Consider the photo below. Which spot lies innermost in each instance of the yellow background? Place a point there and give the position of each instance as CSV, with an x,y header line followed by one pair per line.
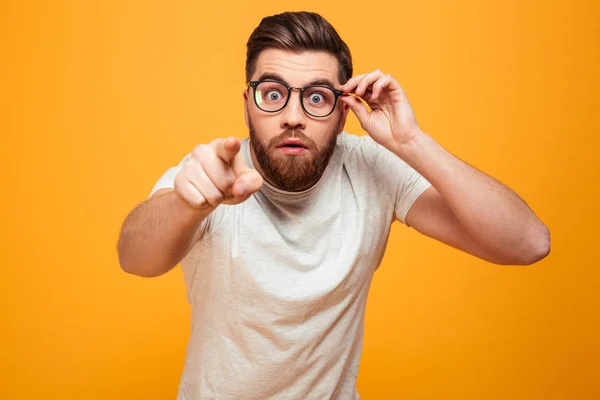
x,y
97,99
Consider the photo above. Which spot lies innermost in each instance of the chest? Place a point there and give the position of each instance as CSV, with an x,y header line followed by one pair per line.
x,y
293,256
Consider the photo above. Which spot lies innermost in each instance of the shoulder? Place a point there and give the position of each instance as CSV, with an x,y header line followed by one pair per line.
x,y
362,153
355,144
359,149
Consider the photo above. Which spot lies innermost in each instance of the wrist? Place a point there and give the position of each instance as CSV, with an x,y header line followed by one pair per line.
x,y
414,147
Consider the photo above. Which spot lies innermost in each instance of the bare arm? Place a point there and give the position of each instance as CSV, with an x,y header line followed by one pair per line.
x,y
473,209
465,208
158,233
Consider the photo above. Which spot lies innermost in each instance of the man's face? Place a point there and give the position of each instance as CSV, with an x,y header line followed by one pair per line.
x,y
289,147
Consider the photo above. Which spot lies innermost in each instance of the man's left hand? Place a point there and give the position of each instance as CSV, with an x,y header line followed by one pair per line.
x,y
391,122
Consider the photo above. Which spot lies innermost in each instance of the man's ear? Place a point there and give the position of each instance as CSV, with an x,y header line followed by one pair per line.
x,y
245,95
345,110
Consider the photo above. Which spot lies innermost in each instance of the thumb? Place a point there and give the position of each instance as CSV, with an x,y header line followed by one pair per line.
x,y
247,184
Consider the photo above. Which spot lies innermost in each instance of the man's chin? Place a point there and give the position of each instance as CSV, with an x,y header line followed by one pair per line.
x,y
291,172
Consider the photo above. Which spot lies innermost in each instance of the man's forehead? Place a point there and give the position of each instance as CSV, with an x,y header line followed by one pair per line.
x,y
298,68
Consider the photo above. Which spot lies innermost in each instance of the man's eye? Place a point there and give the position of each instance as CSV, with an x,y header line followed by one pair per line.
x,y
273,95
317,98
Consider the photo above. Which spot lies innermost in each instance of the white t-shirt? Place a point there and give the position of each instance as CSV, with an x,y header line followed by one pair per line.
x,y
278,284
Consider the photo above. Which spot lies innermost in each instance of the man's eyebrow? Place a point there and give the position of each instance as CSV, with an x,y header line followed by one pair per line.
x,y
325,82
275,77
271,76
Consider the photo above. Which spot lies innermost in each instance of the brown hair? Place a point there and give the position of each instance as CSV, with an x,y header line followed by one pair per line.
x,y
298,31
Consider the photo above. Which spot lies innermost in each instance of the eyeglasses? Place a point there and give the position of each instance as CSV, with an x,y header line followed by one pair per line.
x,y
317,100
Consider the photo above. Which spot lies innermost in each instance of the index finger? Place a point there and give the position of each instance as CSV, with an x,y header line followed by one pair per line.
x,y
226,149
349,86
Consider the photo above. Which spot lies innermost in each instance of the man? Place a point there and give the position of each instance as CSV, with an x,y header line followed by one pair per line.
x,y
279,235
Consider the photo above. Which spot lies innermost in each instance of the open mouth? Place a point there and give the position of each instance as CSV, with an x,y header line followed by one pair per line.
x,y
293,143
292,147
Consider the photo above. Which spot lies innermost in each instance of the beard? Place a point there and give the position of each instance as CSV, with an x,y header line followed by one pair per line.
x,y
292,173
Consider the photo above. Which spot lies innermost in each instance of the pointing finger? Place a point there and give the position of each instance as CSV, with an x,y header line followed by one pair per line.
x,y
226,149
239,164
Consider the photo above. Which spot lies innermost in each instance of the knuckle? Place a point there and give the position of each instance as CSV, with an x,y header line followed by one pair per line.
x,y
181,178
196,201
200,151
178,180
224,185
228,181
216,142
197,150
190,170
215,197
186,193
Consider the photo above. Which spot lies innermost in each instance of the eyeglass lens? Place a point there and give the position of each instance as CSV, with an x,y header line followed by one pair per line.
x,y
272,96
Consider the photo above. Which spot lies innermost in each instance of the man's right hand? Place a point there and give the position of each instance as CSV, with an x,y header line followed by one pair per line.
x,y
216,173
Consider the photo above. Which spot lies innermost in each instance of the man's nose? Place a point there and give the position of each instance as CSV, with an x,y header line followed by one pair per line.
x,y
293,116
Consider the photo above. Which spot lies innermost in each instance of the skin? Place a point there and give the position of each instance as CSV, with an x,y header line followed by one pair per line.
x,y
465,208
318,134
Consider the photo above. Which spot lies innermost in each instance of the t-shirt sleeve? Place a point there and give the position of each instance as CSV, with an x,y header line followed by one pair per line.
x,y
399,179
167,180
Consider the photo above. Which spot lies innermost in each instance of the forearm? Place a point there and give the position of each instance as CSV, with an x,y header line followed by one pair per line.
x,y
158,233
493,215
